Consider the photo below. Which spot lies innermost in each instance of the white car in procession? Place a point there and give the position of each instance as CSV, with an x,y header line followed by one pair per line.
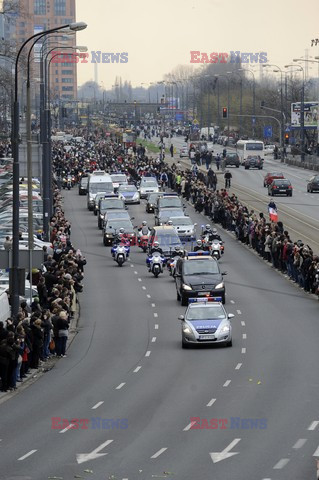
x,y
184,227
148,185
206,322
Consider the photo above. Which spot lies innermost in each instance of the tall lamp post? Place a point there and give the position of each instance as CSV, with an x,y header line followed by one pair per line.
x,y
302,112
254,95
240,99
16,170
228,125
281,102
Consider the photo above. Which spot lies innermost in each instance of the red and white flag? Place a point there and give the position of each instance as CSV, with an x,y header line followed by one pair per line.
x,y
273,215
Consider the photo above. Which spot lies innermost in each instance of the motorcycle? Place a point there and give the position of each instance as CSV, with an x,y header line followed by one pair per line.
x,y
120,254
143,239
217,249
64,183
156,263
69,182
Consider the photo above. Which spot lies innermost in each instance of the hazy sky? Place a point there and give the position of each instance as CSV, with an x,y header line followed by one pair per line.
x,y
159,34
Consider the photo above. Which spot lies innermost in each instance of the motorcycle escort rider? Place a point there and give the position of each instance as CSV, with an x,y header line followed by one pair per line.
x,y
144,229
121,238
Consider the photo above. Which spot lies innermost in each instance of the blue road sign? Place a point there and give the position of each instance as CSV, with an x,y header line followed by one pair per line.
x,y
268,131
253,120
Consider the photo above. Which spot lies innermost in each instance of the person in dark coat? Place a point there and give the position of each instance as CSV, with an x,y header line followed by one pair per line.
x,y
37,342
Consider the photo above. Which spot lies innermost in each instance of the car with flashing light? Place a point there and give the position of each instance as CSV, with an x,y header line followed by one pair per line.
x,y
199,275
108,202
206,322
270,176
148,185
112,227
129,194
118,179
280,187
313,184
151,200
184,227
165,214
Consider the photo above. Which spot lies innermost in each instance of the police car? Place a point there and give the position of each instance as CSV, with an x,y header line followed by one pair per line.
x,y
206,322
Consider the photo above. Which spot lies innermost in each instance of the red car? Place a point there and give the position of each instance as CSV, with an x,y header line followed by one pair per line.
x,y
270,176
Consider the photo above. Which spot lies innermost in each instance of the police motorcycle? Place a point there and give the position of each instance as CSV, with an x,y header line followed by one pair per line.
x,y
69,182
213,242
121,248
156,260
171,262
143,236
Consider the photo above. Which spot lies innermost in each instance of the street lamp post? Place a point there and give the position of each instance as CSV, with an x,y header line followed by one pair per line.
x,y
302,112
254,95
240,99
281,103
16,170
228,112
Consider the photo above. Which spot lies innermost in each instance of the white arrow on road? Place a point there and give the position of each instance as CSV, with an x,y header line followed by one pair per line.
x,y
219,456
85,457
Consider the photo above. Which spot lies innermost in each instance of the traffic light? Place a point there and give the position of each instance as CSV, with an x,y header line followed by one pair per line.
x,y
225,113
286,138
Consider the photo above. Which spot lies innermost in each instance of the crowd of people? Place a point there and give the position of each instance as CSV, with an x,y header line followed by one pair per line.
x,y
41,329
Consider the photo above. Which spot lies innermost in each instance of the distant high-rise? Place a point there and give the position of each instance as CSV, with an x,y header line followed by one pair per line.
x,y
38,15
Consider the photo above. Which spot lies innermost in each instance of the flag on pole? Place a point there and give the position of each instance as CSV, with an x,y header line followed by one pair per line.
x,y
273,215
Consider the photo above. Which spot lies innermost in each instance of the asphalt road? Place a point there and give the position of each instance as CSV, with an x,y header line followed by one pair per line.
x,y
126,362
299,213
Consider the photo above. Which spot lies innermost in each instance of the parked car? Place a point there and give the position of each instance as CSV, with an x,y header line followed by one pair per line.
x,y
270,176
313,184
253,161
280,187
269,149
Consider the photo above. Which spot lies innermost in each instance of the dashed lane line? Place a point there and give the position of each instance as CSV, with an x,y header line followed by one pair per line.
x,y
316,454
232,301
66,428
157,454
148,353
281,464
189,426
211,402
226,383
155,315
139,279
243,324
27,455
121,385
238,366
239,312
243,350
313,425
148,295
153,339
156,326
299,443
244,336
97,405
144,288
153,305
137,369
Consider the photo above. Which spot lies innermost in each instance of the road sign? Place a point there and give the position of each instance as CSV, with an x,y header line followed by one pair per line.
x,y
288,129
195,122
268,131
253,120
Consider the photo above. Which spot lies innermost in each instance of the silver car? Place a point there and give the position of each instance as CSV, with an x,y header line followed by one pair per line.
x,y
206,322
184,227
148,186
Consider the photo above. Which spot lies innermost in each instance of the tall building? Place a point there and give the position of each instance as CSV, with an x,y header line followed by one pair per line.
x,y
38,15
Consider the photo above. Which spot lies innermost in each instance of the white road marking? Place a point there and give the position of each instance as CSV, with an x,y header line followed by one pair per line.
x,y
120,386
97,405
299,443
243,350
137,369
238,366
316,454
148,353
85,457
153,305
239,312
157,454
243,323
135,273
144,288
189,426
66,428
211,402
132,266
139,279
244,336
27,454
226,453
153,339
281,464
155,315
313,425
148,295
226,383
232,301
156,326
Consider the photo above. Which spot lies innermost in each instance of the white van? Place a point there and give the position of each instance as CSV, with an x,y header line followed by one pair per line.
x,y
99,181
4,305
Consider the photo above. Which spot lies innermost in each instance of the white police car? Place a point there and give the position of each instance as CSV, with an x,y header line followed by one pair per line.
x,y
206,322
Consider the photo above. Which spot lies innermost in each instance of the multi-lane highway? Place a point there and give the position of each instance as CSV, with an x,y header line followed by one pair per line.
x,y
299,213
126,363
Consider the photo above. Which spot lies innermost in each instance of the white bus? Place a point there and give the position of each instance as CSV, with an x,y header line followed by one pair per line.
x,y
99,181
244,148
